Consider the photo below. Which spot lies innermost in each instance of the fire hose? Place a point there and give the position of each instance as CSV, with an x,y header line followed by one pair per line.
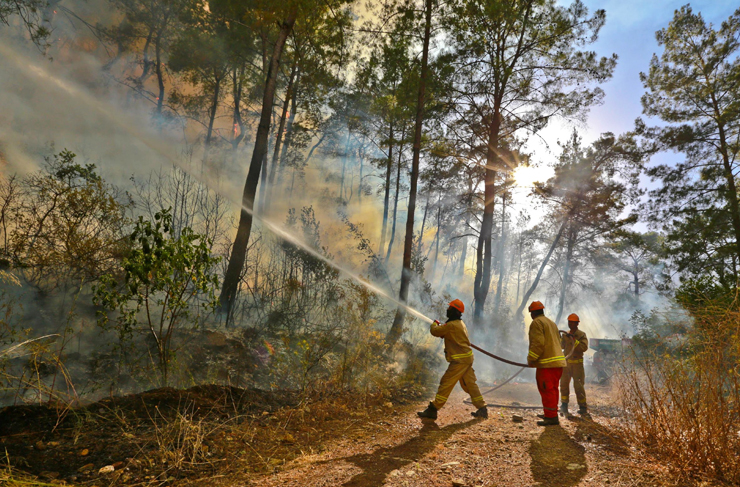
x,y
506,361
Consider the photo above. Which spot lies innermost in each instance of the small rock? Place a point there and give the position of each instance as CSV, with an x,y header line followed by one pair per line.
x,y
517,419
107,469
84,452
410,473
458,483
86,468
395,473
449,465
39,445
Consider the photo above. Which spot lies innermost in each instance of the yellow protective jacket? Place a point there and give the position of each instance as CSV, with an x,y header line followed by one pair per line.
x,y
544,344
457,343
581,344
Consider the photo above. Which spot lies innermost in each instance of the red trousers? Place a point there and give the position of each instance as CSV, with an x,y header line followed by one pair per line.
x,y
548,383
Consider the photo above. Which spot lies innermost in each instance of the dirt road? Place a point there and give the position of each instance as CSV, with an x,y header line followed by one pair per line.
x,y
398,449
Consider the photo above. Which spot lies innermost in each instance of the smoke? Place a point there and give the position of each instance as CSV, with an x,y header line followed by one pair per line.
x,y
74,101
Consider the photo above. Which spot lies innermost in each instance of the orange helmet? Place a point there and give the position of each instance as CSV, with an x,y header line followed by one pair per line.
x,y
574,317
458,305
535,306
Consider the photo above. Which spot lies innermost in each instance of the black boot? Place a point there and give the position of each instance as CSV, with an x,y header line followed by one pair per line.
x,y
564,409
549,422
429,413
481,413
583,410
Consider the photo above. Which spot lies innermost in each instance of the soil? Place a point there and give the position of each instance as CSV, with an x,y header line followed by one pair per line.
x,y
227,437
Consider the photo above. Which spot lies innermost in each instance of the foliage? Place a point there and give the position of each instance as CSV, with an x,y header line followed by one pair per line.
x,y
169,283
692,87
33,16
67,226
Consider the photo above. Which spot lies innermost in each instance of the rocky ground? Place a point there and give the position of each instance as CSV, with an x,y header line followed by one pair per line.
x,y
211,436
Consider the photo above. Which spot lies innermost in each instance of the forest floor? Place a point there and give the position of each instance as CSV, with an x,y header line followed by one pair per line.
x,y
227,437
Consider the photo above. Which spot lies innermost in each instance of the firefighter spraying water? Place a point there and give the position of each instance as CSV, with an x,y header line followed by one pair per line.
x,y
460,356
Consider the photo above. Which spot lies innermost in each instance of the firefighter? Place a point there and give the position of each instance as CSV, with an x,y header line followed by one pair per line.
x,y
577,339
460,356
545,354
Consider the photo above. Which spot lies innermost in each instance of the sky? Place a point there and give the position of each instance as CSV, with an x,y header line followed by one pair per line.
x,y
630,33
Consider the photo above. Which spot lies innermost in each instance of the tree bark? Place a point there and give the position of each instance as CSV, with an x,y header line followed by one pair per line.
x,y
566,273
397,328
395,206
212,117
238,122
541,269
502,249
423,224
386,198
239,249
281,128
160,75
344,164
436,244
289,129
484,252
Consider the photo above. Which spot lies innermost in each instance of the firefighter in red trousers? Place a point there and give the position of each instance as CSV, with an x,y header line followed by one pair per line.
x,y
545,354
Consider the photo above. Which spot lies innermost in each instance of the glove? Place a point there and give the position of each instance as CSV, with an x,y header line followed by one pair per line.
x,y
437,322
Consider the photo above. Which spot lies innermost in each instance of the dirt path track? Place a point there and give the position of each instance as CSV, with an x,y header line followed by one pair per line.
x,y
400,450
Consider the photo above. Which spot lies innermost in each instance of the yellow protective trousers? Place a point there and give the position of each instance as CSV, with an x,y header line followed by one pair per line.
x,y
575,371
464,373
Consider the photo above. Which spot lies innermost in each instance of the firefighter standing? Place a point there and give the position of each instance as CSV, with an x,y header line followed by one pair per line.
x,y
574,369
460,356
545,354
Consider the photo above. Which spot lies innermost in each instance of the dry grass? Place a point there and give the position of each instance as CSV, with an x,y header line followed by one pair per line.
x,y
684,405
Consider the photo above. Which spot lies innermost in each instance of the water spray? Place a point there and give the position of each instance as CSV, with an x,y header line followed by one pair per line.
x,y
275,228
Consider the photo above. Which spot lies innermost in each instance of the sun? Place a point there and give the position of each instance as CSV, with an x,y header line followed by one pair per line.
x,y
526,176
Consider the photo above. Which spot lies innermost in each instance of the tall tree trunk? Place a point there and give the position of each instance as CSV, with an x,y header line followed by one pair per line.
x,y
212,116
344,165
262,199
359,185
566,272
289,128
423,224
501,250
463,256
397,328
160,75
239,249
146,62
281,128
519,269
436,245
541,269
387,196
238,122
484,255
395,205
